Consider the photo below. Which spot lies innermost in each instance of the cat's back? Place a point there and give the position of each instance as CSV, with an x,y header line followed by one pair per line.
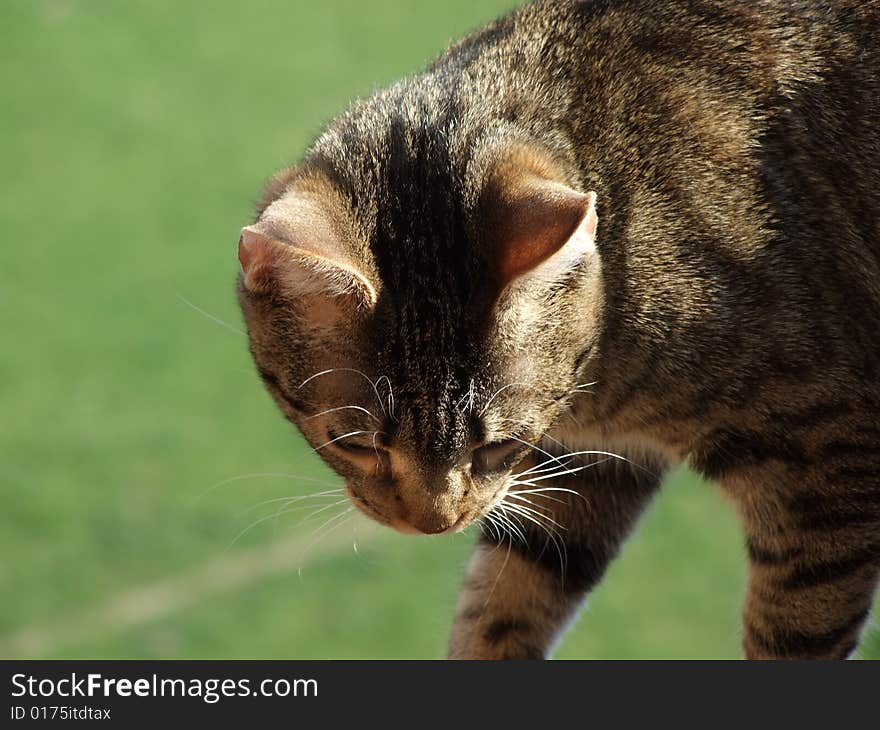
x,y
749,130
737,132
768,109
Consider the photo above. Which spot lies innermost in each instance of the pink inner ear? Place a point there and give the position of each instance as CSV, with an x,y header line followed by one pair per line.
x,y
253,249
270,264
533,220
258,255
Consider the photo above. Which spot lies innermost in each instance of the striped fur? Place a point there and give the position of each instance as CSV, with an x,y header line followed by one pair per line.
x,y
725,312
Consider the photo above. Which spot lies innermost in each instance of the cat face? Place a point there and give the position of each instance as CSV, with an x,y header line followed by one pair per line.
x,y
421,360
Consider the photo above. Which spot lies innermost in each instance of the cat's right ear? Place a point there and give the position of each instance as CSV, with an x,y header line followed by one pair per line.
x,y
327,285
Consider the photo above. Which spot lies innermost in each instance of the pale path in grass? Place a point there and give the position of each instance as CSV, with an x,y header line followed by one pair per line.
x,y
162,598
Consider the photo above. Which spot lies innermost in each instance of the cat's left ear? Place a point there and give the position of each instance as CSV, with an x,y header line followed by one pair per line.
x,y
539,228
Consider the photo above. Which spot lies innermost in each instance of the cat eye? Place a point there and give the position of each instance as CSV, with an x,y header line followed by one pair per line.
x,y
494,457
352,446
355,447
361,446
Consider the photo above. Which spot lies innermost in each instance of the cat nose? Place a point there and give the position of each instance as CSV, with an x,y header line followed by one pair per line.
x,y
434,530
439,527
431,516
437,519
430,524
429,502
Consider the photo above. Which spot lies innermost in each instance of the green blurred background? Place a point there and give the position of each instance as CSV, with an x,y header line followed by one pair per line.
x,y
136,443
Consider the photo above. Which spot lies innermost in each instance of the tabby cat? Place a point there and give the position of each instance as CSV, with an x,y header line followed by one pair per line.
x,y
592,240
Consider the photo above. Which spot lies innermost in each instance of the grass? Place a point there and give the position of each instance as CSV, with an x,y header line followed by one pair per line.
x,y
134,138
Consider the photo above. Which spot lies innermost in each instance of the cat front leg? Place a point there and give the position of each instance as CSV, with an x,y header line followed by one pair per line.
x,y
797,611
813,572
510,607
809,499
524,585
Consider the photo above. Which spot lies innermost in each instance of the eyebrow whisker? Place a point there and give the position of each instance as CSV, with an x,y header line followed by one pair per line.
x,y
350,370
499,391
339,438
343,408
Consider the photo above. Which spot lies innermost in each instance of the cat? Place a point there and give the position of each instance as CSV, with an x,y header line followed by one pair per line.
x,y
590,241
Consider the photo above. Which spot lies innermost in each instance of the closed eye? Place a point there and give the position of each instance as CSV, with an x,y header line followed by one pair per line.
x,y
353,447
494,457
355,442
360,444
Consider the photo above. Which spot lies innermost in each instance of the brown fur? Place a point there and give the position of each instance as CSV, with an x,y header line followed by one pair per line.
x,y
450,278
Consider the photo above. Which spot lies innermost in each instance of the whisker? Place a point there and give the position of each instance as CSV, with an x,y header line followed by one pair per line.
x,y
517,529
285,510
585,385
279,513
547,489
469,396
486,523
332,519
341,519
549,531
247,529
320,510
498,527
342,408
555,538
260,475
556,441
563,472
339,438
542,468
538,448
609,454
214,319
501,570
499,391
330,493
390,393
517,495
348,370
525,510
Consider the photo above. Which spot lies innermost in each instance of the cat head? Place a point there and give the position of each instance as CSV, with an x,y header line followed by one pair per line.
x,y
423,327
